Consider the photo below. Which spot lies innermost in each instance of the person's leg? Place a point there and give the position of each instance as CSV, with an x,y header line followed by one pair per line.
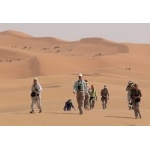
x,y
106,102
90,101
138,110
81,98
135,110
86,102
128,97
39,105
103,102
33,104
93,102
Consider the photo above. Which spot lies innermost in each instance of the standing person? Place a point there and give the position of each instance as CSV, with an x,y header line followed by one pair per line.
x,y
104,96
129,88
93,97
87,95
136,98
80,89
36,89
69,105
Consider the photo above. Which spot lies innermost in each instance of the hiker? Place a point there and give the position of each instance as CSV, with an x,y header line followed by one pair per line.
x,y
80,89
87,95
69,105
129,88
104,96
136,98
36,89
93,97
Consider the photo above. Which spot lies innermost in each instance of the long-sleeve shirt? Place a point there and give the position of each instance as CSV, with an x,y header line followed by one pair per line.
x,y
80,85
38,87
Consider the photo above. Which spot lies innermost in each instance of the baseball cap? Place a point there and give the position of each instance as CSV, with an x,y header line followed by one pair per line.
x,y
35,79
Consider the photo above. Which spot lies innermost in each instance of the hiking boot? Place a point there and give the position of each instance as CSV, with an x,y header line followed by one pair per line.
x,y
40,111
32,112
140,116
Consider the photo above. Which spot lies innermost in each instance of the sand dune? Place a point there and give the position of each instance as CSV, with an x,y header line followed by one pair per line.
x,y
56,63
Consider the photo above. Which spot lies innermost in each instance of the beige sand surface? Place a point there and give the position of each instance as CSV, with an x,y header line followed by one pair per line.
x,y
57,63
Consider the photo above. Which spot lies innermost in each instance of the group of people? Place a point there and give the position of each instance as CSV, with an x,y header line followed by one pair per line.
x,y
86,96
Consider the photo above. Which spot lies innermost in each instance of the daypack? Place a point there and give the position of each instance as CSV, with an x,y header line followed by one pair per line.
x,y
104,92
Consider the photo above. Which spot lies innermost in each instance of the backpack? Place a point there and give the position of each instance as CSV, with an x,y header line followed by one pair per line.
x,y
104,92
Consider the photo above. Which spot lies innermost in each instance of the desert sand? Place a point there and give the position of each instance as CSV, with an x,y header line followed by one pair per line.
x,y
56,63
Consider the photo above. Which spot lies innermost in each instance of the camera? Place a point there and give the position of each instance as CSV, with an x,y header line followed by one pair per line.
x,y
79,87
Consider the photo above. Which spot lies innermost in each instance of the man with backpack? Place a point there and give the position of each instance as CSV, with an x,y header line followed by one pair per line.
x,y
104,96
136,98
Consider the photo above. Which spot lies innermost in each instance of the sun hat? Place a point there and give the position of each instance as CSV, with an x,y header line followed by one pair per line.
x,y
80,74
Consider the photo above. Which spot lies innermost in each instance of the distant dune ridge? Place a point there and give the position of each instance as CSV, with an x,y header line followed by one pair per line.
x,y
56,63
20,48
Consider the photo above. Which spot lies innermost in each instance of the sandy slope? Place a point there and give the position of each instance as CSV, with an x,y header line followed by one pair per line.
x,y
56,63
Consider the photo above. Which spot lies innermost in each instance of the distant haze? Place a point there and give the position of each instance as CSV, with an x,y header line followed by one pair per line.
x,y
118,32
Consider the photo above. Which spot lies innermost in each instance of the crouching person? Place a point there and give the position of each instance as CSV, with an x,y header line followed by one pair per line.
x,y
69,105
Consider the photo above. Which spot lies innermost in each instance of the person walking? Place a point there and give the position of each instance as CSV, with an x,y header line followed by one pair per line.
x,y
80,89
36,89
128,89
87,95
136,98
104,96
93,97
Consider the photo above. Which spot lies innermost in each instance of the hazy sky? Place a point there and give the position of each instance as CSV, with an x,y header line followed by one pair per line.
x,y
118,32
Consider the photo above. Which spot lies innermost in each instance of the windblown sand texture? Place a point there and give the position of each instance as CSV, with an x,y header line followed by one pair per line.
x,y
56,63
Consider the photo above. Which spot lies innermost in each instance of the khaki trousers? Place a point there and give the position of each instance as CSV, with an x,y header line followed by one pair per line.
x,y
92,102
80,100
36,100
86,102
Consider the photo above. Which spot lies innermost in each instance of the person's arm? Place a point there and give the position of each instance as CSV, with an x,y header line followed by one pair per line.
x,y
95,95
75,88
38,88
140,93
73,106
108,94
101,93
127,88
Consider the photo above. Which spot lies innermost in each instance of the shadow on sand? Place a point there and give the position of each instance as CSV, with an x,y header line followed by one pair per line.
x,y
63,113
46,112
120,117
